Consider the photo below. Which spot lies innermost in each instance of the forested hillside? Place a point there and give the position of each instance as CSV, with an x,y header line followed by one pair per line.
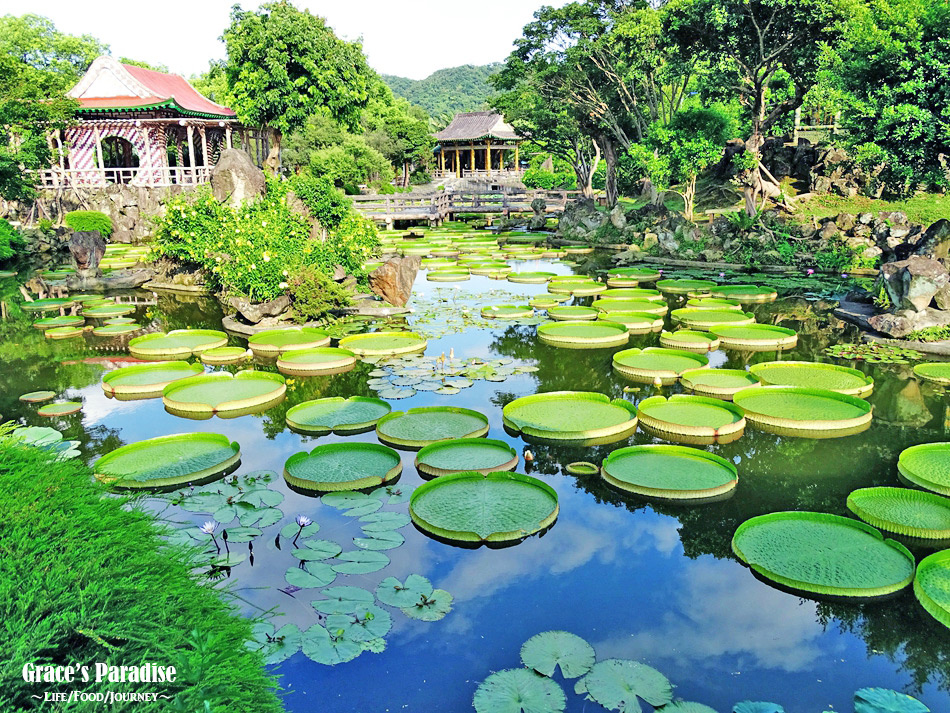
x,y
447,91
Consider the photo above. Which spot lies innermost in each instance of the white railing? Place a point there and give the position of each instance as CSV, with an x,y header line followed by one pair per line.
x,y
139,176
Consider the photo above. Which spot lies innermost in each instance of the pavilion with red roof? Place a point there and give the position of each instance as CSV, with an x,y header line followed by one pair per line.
x,y
143,127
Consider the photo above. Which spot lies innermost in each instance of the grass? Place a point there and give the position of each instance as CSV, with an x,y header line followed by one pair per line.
x,y
925,208
85,577
929,334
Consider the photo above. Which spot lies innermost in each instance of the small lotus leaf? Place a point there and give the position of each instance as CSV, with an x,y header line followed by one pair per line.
x,y
757,707
261,517
547,650
320,646
380,541
617,683
242,534
317,550
315,574
884,700
375,646
292,529
391,494
367,508
431,607
359,562
518,690
364,625
343,600
687,707
277,646
403,594
344,500
384,521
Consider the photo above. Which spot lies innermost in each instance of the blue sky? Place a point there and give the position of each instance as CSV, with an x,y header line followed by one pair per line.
x,y
406,38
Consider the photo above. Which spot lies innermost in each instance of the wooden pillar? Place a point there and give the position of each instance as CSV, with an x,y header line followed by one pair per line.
x,y
148,177
517,162
99,161
227,136
488,156
191,151
472,144
458,166
442,159
204,147
501,159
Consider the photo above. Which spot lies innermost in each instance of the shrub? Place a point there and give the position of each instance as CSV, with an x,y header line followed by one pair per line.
x,y
9,239
81,220
324,201
314,294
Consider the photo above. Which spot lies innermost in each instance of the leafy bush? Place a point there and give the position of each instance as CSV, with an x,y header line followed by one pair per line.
x,y
9,239
324,201
81,220
548,180
315,294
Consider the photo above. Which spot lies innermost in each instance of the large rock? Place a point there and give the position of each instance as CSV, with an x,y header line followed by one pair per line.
x,y
617,217
254,312
235,178
936,241
912,284
539,218
86,248
902,323
393,279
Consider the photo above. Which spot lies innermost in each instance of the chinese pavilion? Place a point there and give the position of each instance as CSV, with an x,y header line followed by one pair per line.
x,y
477,143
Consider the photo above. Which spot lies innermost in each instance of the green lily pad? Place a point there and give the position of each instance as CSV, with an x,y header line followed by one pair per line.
x,y
115,330
823,554
336,414
476,507
143,380
584,334
47,305
927,465
635,322
907,512
546,651
686,418
657,364
754,337
646,306
584,417
383,343
531,278
938,372
572,312
681,287
35,397
718,383
225,355
363,625
814,375
632,293
222,392
62,408
62,332
272,342
419,427
518,690
713,303
343,466
312,549
671,472
449,274
884,700
168,460
310,576
705,319
616,684
321,360
277,645
321,646
642,274
507,311
932,585
383,522
690,340
177,343
482,455
403,594
359,562
757,707
432,607
343,600
107,311
687,707
744,293
811,413
59,321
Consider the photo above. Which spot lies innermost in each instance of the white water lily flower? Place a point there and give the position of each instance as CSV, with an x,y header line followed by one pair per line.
x,y
303,520
209,527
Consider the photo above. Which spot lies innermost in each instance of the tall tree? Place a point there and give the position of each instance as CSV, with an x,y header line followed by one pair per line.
x,y
285,64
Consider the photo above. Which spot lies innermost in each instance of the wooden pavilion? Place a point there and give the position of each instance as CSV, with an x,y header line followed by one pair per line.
x,y
477,143
141,127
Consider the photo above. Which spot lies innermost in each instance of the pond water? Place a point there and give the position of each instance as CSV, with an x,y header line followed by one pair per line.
x,y
641,580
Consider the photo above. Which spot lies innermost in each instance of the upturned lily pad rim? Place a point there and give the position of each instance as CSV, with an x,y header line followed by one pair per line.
x,y
111,388
642,272
702,434
572,313
713,303
812,428
631,293
647,374
548,333
858,503
416,444
610,433
36,397
692,380
744,293
611,304
706,319
449,481
59,321
202,475
225,355
169,392
407,342
761,371
812,587
59,408
770,336
582,467
440,446
701,341
342,428
507,311
330,449
670,493
260,343
48,304
138,346
286,363
62,332
115,330
937,372
939,609
684,285
116,310
905,466
531,277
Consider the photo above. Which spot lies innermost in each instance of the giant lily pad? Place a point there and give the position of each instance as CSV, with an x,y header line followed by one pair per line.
x,y
681,287
635,322
690,340
798,411
481,455
531,278
932,585
657,364
718,383
62,408
383,343
572,312
578,334
105,311
823,554
755,337
927,465
507,312
613,304
706,318
59,321
907,512
449,274
575,285
938,372
35,397
272,342
749,294
320,360
169,460
62,332
547,300
483,507
47,305
814,375
518,690
630,276
146,380
885,700
177,343
713,303
630,293
225,355
343,466
115,330
672,472
616,684
352,415
546,651
419,427
580,416
685,418
222,392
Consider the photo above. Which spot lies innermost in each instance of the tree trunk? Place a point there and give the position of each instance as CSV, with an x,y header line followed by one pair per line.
x,y
405,174
272,162
610,155
584,169
689,197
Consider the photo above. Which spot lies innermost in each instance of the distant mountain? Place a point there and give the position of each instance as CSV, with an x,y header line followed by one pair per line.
x,y
447,91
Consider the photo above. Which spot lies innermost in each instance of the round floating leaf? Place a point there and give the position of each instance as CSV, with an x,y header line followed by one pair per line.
x,y
277,646
343,600
62,332
62,408
222,392
359,562
646,306
419,427
60,321
823,554
271,342
937,372
644,274
507,311
757,707
383,343
335,413
322,360
617,683
673,472
316,550
884,700
47,305
713,303
814,375
225,355
630,293
546,651
687,707
383,522
755,337
380,541
681,287
242,534
363,625
343,466
432,607
584,334
586,417
375,646
114,330
518,690
482,455
169,460
572,312
35,397
177,343
582,468
531,278
107,311
796,411
927,465
147,379
686,418
321,646
690,339
345,500
657,363
719,383
403,594
708,318
932,585
904,511
476,507
635,322
744,293
292,529
315,574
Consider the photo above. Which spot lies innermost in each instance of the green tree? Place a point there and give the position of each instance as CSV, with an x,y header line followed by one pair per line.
x,y
144,65
400,132
214,83
285,64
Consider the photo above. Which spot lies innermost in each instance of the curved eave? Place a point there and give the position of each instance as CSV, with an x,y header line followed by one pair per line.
x,y
169,104
483,137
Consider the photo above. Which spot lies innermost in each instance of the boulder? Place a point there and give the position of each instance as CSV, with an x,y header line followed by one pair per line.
x,y
668,242
393,279
902,323
829,230
86,248
121,280
254,312
912,284
649,240
538,220
235,178
936,241
617,217
844,221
